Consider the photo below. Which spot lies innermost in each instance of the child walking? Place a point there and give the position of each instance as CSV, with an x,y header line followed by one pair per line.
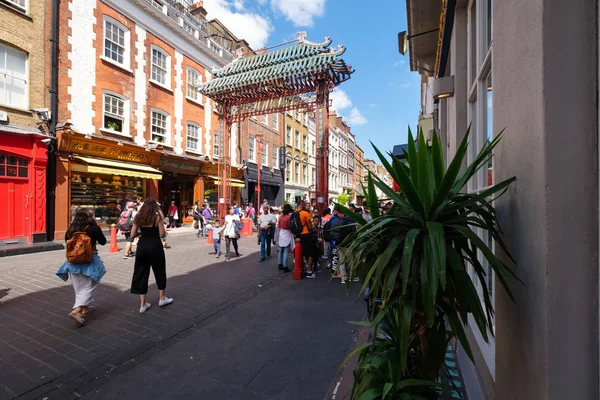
x,y
216,232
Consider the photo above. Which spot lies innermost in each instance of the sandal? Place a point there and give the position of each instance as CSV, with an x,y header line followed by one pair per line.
x,y
77,318
89,310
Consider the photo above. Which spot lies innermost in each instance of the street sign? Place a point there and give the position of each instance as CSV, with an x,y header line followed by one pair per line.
x,y
282,157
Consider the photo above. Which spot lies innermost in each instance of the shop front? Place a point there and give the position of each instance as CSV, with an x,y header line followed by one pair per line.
x,y
271,185
179,184
23,159
211,184
98,174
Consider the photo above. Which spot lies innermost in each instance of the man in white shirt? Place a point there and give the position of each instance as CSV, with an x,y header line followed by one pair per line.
x,y
266,229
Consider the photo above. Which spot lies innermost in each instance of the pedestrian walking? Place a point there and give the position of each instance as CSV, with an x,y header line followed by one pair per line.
x,y
124,225
150,254
207,217
341,228
83,264
198,219
173,215
266,231
229,231
251,213
216,232
286,239
308,237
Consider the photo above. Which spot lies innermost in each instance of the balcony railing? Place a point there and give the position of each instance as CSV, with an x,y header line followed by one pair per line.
x,y
194,25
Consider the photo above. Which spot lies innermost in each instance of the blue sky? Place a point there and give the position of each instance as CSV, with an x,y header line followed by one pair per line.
x,y
382,98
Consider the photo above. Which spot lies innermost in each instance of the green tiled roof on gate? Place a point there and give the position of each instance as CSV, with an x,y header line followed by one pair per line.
x,y
294,68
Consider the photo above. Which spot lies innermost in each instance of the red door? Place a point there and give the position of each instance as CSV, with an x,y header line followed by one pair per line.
x,y
15,210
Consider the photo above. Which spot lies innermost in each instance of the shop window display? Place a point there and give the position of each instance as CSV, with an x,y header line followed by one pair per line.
x,y
102,193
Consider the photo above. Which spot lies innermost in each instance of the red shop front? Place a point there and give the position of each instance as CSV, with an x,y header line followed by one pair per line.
x,y
23,159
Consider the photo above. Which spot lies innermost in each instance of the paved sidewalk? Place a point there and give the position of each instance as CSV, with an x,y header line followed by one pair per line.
x,y
221,310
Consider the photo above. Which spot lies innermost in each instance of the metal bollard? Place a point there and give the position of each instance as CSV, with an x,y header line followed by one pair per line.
x,y
298,264
113,239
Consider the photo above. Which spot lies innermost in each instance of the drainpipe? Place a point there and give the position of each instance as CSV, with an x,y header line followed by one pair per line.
x,y
51,167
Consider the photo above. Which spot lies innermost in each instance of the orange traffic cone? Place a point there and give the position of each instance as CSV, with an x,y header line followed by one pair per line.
x,y
210,238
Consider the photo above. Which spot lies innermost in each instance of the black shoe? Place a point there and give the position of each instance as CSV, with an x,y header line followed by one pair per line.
x,y
280,267
287,270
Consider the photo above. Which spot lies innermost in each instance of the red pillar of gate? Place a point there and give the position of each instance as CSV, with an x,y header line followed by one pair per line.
x,y
322,133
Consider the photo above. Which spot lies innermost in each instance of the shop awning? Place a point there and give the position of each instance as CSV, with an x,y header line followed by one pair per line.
x,y
234,182
112,167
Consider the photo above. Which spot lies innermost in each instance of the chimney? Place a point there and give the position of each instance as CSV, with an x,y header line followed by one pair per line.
x,y
198,9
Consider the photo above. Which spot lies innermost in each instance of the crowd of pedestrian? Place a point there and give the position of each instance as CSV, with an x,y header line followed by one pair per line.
x,y
321,235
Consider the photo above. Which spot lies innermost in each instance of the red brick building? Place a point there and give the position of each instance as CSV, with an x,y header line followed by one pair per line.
x,y
131,122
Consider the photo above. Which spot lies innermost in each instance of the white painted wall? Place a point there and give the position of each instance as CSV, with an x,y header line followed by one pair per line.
x,y
83,64
140,86
178,98
207,120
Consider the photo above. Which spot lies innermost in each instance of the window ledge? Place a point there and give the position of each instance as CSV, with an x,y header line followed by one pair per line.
x,y
160,144
194,101
16,9
113,132
162,86
116,64
14,108
193,151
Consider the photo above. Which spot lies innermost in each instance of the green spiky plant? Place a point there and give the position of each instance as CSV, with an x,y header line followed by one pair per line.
x,y
414,257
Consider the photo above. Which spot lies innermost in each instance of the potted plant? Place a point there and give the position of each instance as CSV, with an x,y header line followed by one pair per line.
x,y
413,259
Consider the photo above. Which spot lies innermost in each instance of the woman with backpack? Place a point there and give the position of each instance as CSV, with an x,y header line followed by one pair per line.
x,y
286,238
124,225
148,223
83,263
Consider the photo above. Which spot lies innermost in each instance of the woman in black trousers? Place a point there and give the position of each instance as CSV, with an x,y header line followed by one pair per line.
x,y
150,253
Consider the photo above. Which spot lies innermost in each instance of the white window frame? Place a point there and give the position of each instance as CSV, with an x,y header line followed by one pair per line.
x,y
157,4
4,75
214,47
275,121
125,131
288,140
252,155
15,3
264,155
297,140
275,157
198,97
126,64
216,138
304,173
296,171
198,138
479,67
167,69
288,168
167,142
265,119
305,144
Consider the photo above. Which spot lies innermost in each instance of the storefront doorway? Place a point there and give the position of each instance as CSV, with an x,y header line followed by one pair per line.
x,y
179,188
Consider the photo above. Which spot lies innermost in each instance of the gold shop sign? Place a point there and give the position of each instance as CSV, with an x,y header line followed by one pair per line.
x,y
78,146
178,166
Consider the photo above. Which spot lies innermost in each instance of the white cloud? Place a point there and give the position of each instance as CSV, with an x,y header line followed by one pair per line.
x,y
339,100
300,12
398,63
254,28
372,105
356,118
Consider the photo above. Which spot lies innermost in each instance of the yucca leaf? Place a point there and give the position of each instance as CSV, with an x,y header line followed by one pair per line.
x,y
438,160
409,243
457,328
450,177
424,186
405,325
412,159
499,267
371,394
428,282
437,242
372,200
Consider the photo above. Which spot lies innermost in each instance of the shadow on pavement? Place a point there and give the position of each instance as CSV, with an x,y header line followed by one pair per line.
x,y
235,328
